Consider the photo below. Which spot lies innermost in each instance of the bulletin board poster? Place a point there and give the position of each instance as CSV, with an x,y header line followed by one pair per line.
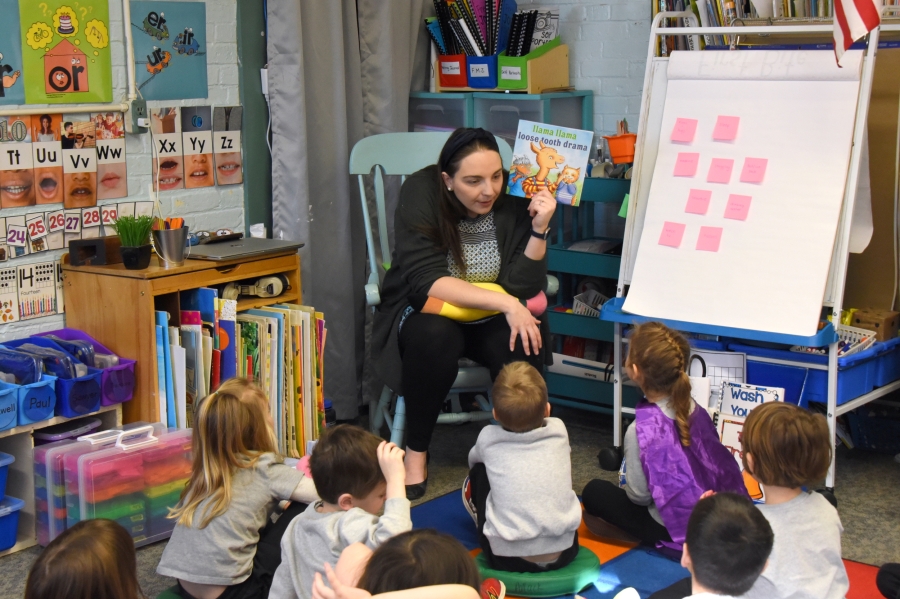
x,y
12,86
65,51
170,49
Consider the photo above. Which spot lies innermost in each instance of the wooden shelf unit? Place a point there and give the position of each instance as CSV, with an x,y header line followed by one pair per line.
x,y
117,307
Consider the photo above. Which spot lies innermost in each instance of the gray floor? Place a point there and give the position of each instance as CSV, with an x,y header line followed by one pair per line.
x,y
868,492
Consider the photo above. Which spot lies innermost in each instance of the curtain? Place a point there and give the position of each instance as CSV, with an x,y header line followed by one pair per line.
x,y
339,70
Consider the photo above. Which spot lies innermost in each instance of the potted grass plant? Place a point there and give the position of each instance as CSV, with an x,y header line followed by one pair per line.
x,y
134,233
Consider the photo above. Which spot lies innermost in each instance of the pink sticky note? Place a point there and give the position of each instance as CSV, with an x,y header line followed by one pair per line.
x,y
686,164
720,170
684,130
737,207
726,128
671,234
754,170
698,201
709,239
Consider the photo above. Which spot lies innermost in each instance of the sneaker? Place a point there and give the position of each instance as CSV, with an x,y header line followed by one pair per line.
x,y
493,589
468,500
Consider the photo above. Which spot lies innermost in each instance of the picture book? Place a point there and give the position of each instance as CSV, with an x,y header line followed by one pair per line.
x,y
549,157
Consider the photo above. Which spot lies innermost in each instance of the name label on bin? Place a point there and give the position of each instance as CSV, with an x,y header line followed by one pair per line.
x,y
511,73
36,407
478,70
450,68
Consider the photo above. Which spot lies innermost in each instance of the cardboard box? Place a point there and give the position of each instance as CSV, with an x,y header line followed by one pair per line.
x,y
884,322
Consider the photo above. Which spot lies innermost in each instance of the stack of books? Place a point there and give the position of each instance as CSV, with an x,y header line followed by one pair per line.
x,y
279,347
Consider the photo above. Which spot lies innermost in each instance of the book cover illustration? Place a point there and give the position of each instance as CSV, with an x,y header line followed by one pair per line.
x,y
549,157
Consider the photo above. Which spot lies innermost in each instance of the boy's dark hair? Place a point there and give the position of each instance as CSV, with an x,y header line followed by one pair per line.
x,y
419,558
68,124
345,460
728,540
520,397
791,447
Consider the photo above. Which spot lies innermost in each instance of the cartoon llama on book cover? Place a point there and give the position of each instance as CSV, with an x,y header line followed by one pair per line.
x,y
549,157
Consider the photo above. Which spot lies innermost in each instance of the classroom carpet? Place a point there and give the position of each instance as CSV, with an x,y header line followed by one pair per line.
x,y
622,565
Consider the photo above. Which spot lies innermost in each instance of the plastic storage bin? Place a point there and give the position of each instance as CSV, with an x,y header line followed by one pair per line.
x,y
117,382
482,71
439,112
875,429
10,508
66,430
34,402
887,369
452,70
9,407
856,373
76,396
5,461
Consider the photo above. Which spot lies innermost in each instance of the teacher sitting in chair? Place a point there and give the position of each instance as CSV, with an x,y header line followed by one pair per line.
x,y
455,228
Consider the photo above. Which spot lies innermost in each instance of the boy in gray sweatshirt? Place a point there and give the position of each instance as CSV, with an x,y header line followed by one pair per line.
x,y
519,488
356,474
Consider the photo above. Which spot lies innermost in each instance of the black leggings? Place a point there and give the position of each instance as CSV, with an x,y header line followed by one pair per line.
x,y
888,581
610,503
265,562
431,347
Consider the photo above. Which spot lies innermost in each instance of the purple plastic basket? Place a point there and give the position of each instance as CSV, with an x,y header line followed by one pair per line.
x,y
117,383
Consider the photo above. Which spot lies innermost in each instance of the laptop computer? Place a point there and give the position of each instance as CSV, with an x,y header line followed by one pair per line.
x,y
238,248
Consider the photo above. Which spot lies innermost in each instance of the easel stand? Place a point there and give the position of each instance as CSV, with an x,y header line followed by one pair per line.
x,y
648,149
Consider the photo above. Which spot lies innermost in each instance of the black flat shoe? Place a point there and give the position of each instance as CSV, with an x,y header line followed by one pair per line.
x,y
417,491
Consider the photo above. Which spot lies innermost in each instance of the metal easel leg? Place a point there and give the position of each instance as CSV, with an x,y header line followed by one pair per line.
x,y
398,428
610,458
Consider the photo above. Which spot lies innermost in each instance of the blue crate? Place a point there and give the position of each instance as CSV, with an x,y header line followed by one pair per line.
x,y
875,429
35,401
856,373
5,461
887,370
10,508
9,408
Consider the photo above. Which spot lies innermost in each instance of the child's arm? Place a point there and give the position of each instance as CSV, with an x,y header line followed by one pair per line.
x,y
352,563
339,590
636,488
305,492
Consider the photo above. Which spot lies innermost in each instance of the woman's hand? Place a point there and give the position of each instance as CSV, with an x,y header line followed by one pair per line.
x,y
522,324
338,590
541,209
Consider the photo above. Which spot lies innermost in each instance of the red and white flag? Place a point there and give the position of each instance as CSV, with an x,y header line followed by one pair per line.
x,y
852,20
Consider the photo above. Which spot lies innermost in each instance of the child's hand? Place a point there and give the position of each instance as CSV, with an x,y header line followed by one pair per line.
x,y
390,458
338,590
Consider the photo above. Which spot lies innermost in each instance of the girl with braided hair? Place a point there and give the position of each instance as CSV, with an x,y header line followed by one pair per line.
x,y
672,450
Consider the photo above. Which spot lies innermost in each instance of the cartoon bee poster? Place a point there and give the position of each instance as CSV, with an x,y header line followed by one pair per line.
x,y
65,51
12,86
170,49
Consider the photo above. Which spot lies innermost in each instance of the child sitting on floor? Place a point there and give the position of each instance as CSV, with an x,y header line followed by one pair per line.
x,y
785,447
672,450
726,547
356,474
519,488
94,559
224,543
419,564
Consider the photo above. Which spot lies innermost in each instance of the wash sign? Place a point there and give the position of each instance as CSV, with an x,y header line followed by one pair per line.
x,y
738,399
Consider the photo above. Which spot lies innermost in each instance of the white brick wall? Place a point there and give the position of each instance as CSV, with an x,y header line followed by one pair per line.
x,y
607,42
209,208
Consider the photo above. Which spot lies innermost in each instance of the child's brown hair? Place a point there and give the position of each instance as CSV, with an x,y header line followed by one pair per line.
x,y
231,431
662,356
419,558
94,559
345,460
520,397
791,447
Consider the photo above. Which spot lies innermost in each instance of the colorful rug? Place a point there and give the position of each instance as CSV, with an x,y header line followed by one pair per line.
x,y
623,565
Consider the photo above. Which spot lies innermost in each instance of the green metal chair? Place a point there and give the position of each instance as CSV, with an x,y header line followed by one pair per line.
x,y
403,154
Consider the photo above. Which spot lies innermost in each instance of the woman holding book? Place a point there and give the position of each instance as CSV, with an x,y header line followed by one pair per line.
x,y
455,226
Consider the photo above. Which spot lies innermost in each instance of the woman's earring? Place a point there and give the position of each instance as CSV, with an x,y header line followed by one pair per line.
x,y
449,189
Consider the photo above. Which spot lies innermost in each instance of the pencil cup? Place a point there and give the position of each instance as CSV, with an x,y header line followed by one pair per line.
x,y
170,244
621,147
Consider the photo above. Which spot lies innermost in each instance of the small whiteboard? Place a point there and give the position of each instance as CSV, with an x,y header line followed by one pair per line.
x,y
796,110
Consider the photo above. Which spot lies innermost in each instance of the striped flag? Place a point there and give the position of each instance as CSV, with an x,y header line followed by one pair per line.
x,y
852,20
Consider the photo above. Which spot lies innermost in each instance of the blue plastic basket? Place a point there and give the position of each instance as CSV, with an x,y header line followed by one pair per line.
x,y
875,429
10,508
887,370
5,461
9,407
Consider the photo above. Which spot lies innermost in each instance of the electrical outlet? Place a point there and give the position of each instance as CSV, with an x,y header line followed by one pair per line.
x,y
139,117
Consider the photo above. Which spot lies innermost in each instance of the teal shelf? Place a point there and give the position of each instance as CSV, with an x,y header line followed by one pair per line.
x,y
587,394
560,259
605,190
564,323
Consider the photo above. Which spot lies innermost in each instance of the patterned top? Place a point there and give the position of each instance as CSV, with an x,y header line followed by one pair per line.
x,y
478,237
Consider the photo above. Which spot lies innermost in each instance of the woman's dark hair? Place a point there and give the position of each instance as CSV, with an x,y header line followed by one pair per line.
x,y
461,143
49,120
419,558
94,559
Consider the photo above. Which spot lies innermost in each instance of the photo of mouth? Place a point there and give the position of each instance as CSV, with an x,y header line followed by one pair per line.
x,y
198,170
80,190
171,173
16,188
229,168
112,181
48,182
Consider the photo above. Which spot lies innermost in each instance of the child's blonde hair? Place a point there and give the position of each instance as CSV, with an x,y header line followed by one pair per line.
x,y
662,356
791,447
94,559
231,431
520,397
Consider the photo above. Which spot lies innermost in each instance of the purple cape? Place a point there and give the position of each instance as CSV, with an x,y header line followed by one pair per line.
x,y
678,475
